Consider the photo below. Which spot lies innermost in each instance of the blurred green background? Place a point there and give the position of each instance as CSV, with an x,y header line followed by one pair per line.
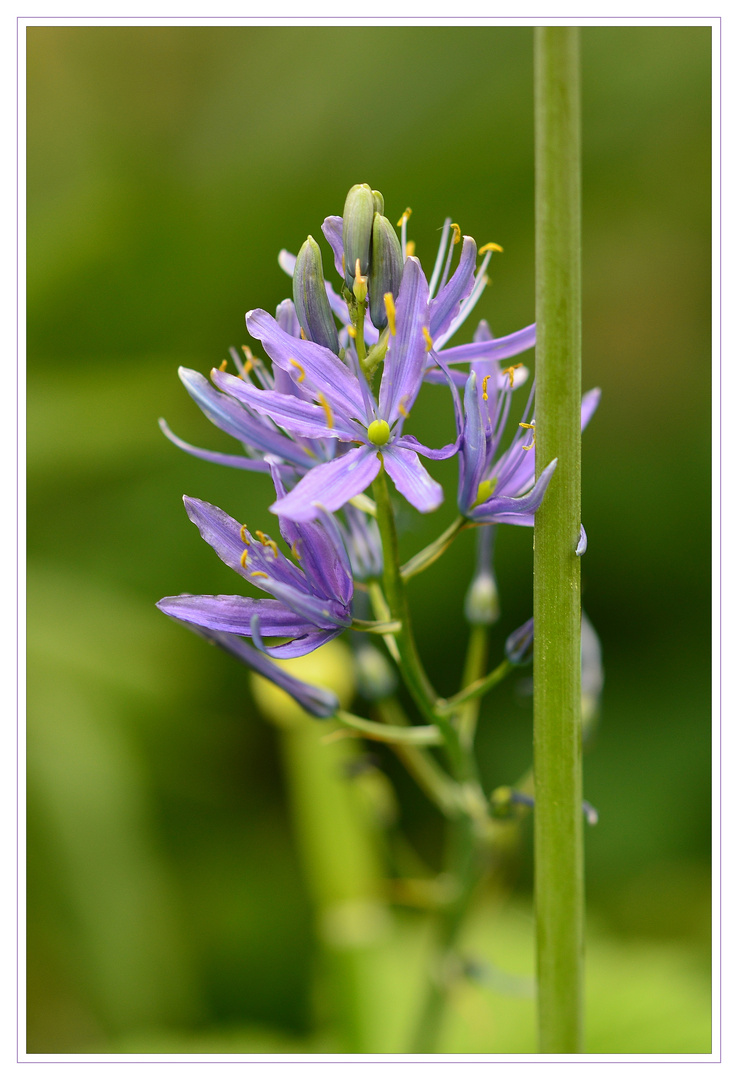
x,y
167,909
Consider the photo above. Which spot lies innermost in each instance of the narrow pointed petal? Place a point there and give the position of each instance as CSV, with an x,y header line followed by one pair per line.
x,y
590,401
501,348
235,461
300,646
232,418
323,371
233,615
333,232
520,511
318,610
411,478
409,442
406,356
223,534
330,485
320,548
314,699
292,413
582,544
446,305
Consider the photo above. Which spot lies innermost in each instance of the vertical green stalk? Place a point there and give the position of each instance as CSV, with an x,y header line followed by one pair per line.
x,y
556,604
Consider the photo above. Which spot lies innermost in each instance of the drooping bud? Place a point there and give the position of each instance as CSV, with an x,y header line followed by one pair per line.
x,y
311,299
358,215
482,602
519,646
375,676
385,272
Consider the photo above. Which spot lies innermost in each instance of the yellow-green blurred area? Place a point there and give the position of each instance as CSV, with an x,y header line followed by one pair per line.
x,y
169,907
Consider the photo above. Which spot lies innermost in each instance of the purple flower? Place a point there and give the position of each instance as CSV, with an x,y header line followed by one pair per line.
x,y
311,602
342,407
501,489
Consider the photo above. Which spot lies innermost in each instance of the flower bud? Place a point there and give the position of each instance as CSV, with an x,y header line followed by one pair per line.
x,y
378,202
519,646
385,271
311,299
482,603
358,215
375,677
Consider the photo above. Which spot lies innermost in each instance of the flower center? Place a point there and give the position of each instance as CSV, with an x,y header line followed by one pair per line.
x,y
378,432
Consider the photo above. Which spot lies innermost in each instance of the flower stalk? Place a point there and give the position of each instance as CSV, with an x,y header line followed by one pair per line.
x,y
557,605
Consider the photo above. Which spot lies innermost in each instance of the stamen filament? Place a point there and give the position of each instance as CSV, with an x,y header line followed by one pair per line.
x,y
327,409
300,368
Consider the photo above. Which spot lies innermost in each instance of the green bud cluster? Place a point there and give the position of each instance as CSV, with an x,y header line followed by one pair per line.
x,y
369,237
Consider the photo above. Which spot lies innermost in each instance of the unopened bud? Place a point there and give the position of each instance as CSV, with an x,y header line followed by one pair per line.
x,y
385,272
378,202
482,603
358,214
375,677
311,299
519,646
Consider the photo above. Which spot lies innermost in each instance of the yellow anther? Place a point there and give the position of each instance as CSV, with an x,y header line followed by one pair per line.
x,y
300,368
294,551
485,380
258,573
531,427
428,339
244,538
510,372
327,409
489,247
351,331
267,541
389,307
457,232
249,355
244,558
409,248
343,265
247,368
401,406
405,215
223,365
302,334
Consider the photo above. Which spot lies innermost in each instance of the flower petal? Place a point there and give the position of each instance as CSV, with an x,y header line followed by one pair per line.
x,y
314,699
518,511
320,548
445,307
501,347
290,412
233,615
323,371
235,461
232,418
590,401
333,232
225,538
405,361
409,442
411,478
330,485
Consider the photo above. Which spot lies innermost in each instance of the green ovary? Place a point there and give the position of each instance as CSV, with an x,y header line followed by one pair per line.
x,y
378,432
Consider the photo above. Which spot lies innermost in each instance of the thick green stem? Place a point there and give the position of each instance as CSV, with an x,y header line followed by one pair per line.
x,y
557,691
